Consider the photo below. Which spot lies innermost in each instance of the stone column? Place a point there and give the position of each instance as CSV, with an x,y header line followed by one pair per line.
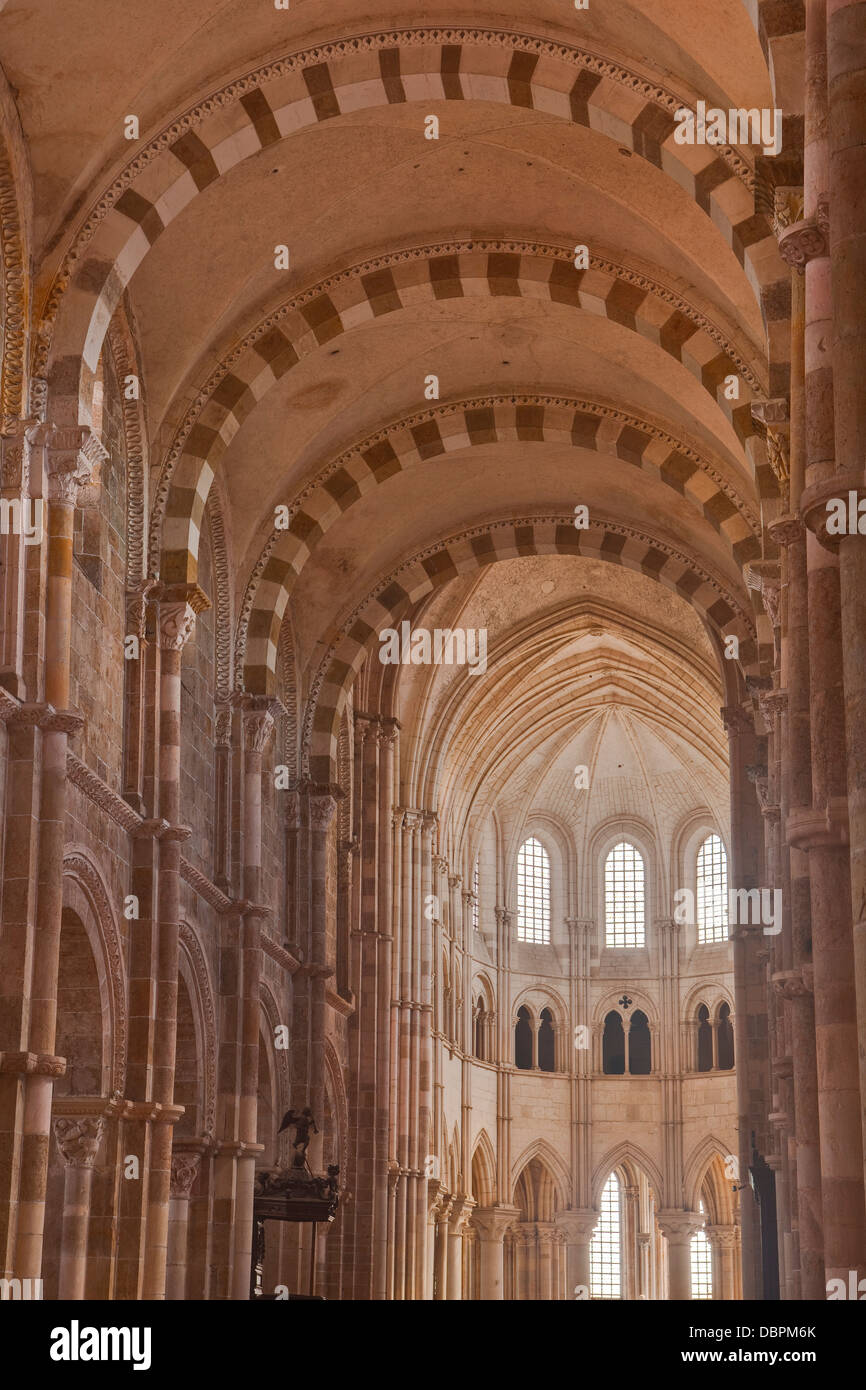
x,y
70,456
178,607
222,831
547,1251
184,1168
461,1210
78,1140
750,1008
630,1224
678,1227
385,881
846,79
423,1020
323,804
490,1224
441,1218
724,1241
15,490
836,447
578,1228
258,726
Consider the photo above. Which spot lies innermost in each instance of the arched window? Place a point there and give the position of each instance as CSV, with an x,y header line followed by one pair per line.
x,y
725,1039
476,875
712,898
705,1040
546,1042
523,1039
613,1045
702,1263
624,897
639,1045
533,893
605,1248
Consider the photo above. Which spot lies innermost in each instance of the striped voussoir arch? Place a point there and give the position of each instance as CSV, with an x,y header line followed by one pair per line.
x,y
438,431
485,545
452,270
271,104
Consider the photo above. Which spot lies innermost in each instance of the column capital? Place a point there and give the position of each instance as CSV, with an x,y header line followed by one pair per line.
x,y
78,1139
72,453
504,916
259,719
136,606
805,241
222,728
184,1168
725,1237
787,529
462,1208
578,1224
322,803
678,1227
179,605
15,436
388,730
491,1223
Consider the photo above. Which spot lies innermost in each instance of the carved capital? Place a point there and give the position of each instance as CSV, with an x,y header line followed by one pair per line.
x,y
787,529
78,1139
179,605
222,729
176,625
578,1225
723,1237
788,207
765,576
678,1227
322,808
803,242
136,607
73,454
15,453
771,703
388,731
259,720
184,1168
